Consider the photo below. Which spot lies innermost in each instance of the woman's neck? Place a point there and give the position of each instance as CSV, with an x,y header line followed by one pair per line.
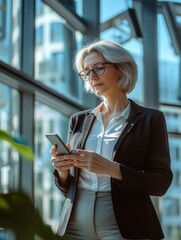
x,y
112,108
114,105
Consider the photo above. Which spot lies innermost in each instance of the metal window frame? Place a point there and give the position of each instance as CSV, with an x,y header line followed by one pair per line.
x,y
26,84
130,15
169,13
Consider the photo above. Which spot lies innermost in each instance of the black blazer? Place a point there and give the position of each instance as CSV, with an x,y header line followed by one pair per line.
x,y
143,153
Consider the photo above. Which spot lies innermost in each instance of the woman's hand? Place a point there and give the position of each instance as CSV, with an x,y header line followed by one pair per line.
x,y
94,163
61,163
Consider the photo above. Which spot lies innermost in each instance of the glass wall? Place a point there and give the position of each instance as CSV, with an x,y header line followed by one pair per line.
x,y
171,204
109,10
10,122
47,197
55,46
169,77
9,159
168,66
10,32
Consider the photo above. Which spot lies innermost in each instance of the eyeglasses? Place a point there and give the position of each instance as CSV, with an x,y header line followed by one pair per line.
x,y
98,69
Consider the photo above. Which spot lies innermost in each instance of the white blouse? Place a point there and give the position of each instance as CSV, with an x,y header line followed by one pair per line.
x,y
102,142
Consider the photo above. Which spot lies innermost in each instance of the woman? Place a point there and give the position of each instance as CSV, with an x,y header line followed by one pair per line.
x,y
120,157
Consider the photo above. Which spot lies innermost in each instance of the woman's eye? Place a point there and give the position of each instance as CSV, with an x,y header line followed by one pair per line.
x,y
98,68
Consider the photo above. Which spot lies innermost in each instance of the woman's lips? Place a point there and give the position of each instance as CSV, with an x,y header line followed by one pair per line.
x,y
97,85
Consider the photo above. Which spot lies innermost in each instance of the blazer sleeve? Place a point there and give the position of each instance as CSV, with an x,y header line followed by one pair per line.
x,y
156,176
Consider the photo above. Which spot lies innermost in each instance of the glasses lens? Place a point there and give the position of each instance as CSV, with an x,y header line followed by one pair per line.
x,y
83,76
99,69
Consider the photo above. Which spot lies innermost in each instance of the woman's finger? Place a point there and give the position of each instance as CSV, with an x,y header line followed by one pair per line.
x,y
53,151
68,146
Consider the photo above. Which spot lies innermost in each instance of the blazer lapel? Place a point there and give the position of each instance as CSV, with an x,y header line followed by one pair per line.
x,y
129,125
88,122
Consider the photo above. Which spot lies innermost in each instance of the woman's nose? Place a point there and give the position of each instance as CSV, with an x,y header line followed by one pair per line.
x,y
93,75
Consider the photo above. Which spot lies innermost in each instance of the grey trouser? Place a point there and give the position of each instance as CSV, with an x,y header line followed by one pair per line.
x,y
93,217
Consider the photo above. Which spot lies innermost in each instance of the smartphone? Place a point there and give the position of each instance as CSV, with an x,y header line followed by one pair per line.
x,y
56,139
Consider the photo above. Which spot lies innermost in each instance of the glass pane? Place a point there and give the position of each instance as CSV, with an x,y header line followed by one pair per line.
x,y
5,235
10,32
47,197
168,66
109,8
178,18
9,121
135,47
54,52
79,7
173,118
171,202
9,159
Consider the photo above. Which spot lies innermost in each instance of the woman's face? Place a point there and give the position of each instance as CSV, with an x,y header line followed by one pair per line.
x,y
107,83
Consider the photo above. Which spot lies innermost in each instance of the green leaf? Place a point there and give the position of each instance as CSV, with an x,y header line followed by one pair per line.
x,y
3,204
22,149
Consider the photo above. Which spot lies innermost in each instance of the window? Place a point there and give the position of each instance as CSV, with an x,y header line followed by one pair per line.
x,y
168,66
10,32
108,9
54,57
39,35
56,32
10,122
47,196
39,7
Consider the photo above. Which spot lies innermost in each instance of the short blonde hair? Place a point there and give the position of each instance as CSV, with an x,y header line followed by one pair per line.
x,y
114,53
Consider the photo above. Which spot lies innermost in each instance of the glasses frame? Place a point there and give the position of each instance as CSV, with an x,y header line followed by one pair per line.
x,y
92,70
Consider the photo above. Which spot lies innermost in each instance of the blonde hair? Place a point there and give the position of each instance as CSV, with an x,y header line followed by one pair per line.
x,y
114,53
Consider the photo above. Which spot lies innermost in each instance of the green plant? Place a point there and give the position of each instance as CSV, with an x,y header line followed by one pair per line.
x,y
17,143
19,215
17,211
